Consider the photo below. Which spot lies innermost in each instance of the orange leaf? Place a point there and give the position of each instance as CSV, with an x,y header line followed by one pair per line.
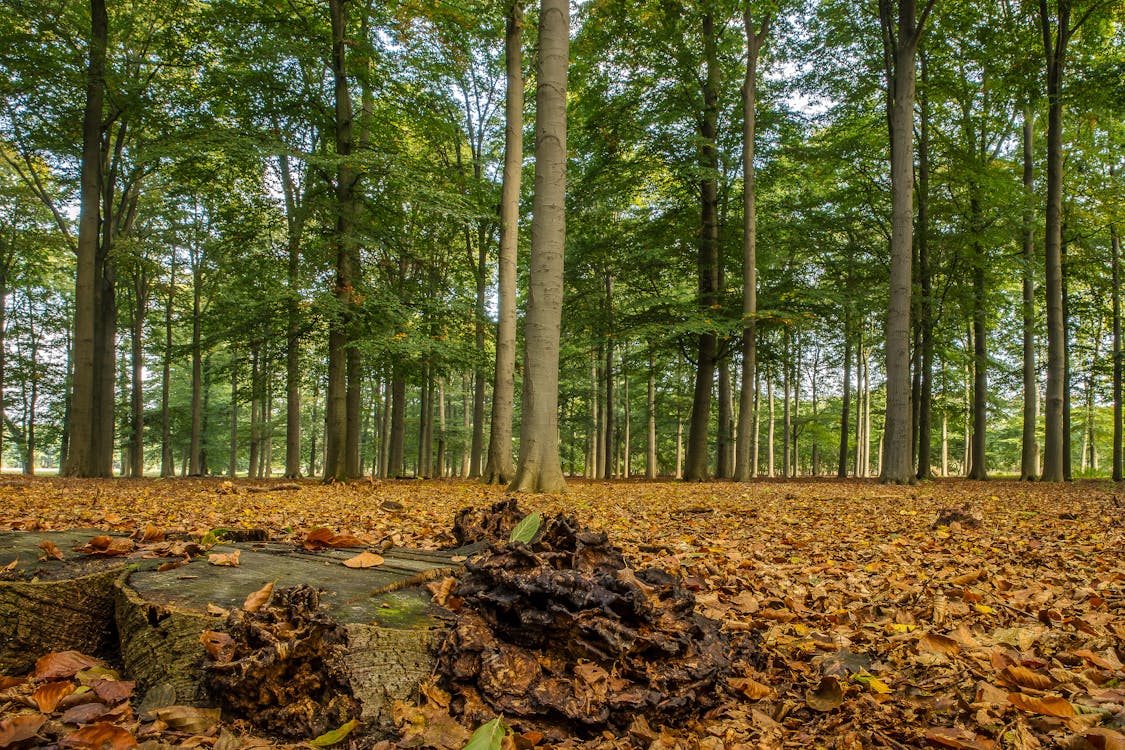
x,y
48,695
1050,705
113,691
257,600
219,646
19,729
62,665
108,546
1104,738
364,560
938,644
100,736
318,538
51,549
345,540
8,682
959,739
1024,677
752,689
152,534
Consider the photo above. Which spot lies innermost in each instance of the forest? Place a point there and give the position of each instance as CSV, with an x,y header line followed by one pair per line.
x,y
326,239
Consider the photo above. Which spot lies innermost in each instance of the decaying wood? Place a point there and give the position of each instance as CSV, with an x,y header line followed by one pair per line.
x,y
390,637
53,604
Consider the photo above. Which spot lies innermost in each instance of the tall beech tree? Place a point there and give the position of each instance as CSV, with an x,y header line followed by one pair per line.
x,y
540,468
902,25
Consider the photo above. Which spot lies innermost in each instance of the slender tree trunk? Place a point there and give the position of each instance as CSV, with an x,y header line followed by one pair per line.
x,y
708,254
650,452
81,460
925,277
978,469
593,441
787,417
626,468
903,38
608,374
747,397
7,254
439,469
842,463
1115,254
1054,48
540,469
342,408
723,467
137,400
500,469
167,460
396,448
295,215
255,421
944,443
194,467
755,439
232,465
769,432
1029,445
1068,454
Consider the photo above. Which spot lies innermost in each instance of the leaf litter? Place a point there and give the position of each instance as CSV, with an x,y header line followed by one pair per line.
x,y
950,614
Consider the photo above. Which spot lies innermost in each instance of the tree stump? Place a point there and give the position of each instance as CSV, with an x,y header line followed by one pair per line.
x,y
391,635
51,605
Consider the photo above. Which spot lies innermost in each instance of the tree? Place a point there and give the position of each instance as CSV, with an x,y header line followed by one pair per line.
x,y
499,467
902,32
540,469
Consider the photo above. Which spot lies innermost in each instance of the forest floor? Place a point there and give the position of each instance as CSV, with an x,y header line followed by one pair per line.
x,y
947,614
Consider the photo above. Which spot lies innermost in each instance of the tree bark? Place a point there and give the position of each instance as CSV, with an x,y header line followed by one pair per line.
x,y
540,469
744,469
1029,445
842,463
81,458
1115,254
167,461
695,469
232,459
295,221
925,277
723,453
978,469
499,468
608,374
196,360
1054,48
137,396
395,447
650,453
902,40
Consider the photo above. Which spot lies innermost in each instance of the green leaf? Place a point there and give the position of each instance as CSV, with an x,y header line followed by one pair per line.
x,y
526,530
488,736
331,738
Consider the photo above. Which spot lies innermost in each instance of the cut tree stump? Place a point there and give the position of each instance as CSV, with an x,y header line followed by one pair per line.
x,y
391,634
51,605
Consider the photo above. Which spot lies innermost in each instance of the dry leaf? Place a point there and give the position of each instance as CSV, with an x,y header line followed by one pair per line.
x,y
50,550
1104,738
752,689
84,713
19,729
938,644
48,695
219,646
1048,705
829,695
364,560
1024,677
62,665
100,736
113,691
108,546
187,718
257,600
152,534
228,559
960,739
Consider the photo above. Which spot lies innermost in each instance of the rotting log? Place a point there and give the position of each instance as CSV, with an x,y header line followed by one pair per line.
x,y
391,632
48,604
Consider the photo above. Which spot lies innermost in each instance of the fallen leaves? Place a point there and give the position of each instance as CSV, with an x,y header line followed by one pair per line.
x,y
228,559
364,560
62,665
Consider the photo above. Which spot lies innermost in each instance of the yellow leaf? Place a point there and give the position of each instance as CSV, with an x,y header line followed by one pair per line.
x,y
1048,705
984,609
872,683
257,600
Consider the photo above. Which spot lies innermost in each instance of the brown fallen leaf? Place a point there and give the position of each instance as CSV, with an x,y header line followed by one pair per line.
x,y
364,560
938,644
1098,660
19,729
960,739
1048,705
441,590
50,550
187,718
827,696
62,665
108,546
258,599
100,736
219,646
1023,677
227,559
12,565
9,682
113,691
1104,738
152,533
84,713
751,689
48,695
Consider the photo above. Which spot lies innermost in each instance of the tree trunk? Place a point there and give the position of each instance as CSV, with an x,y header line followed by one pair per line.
x,y
137,397
708,255
232,461
395,444
626,468
787,418
1029,445
978,469
539,467
925,278
755,438
439,463
608,374
342,406
770,428
295,221
1115,254
650,445
1054,48
167,461
255,426
842,463
196,361
901,41
500,469
723,452
81,460
744,469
